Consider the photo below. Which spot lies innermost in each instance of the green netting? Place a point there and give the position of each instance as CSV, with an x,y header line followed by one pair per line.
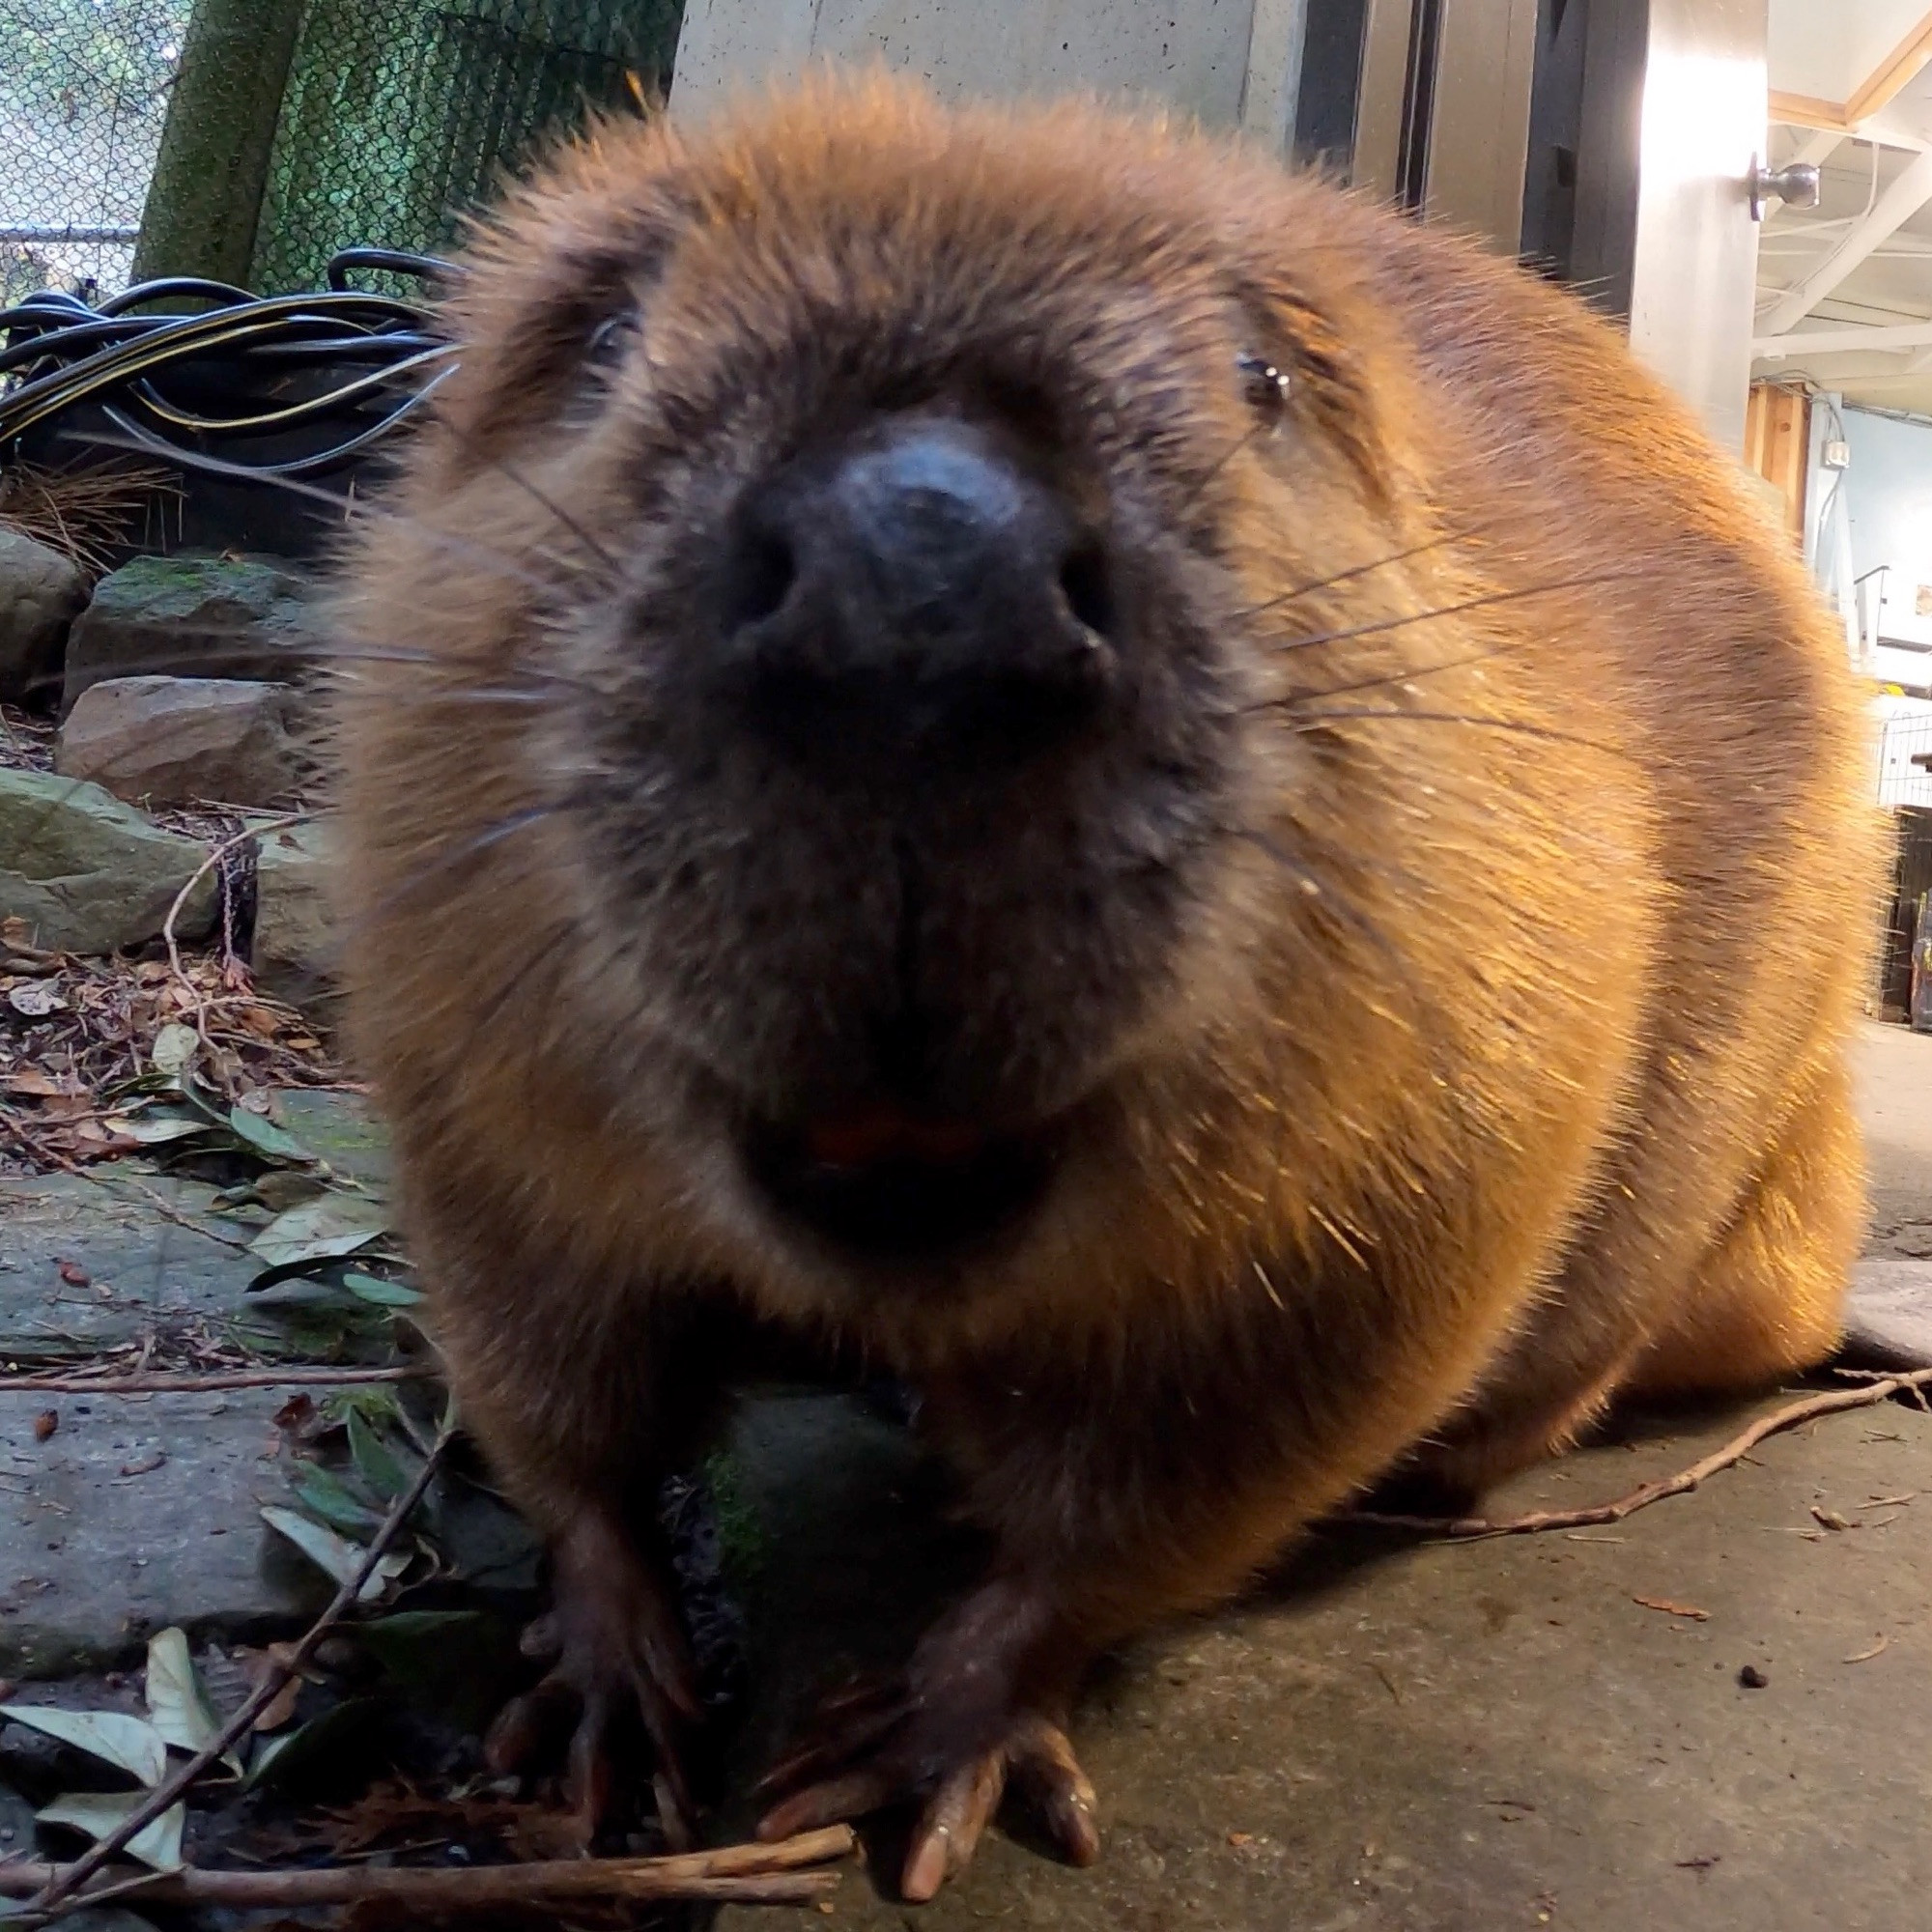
x,y
400,114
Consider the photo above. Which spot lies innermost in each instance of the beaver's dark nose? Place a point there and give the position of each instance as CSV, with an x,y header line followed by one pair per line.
x,y
915,589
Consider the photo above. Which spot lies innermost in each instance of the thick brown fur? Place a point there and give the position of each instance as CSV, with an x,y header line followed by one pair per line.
x,y
1448,1035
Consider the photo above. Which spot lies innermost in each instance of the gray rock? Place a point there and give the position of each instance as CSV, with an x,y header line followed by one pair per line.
x,y
294,953
1888,1320
40,593
189,616
89,874
174,739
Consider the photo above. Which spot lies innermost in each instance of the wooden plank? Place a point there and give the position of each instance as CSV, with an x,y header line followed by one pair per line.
x,y
1894,74
1808,110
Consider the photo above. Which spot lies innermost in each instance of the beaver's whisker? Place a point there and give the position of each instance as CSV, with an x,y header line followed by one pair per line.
x,y
1397,678
438,863
1322,894
1487,601
1313,721
544,501
1345,575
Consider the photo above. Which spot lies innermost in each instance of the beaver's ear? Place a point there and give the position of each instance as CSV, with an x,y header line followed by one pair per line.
x,y
555,284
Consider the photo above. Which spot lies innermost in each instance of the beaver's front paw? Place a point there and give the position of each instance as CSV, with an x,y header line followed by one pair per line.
x,y
976,1712
615,1644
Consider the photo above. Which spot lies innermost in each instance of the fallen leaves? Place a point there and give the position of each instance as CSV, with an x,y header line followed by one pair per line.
x,y
180,1717
329,1226
85,1042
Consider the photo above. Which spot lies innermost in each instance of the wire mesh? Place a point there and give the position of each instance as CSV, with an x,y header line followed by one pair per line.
x,y
395,117
83,93
400,114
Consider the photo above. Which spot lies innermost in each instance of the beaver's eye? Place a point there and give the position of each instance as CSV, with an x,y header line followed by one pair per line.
x,y
1264,384
610,339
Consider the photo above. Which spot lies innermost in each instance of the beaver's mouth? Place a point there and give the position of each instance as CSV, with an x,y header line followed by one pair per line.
x,y
889,1184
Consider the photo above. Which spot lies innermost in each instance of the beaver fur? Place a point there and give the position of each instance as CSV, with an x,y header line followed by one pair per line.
x,y
1424,997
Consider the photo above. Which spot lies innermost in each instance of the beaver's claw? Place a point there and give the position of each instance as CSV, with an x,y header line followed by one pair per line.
x,y
615,1644
877,1747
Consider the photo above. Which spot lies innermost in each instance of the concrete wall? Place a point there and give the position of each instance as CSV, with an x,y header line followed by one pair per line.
x,y
1192,54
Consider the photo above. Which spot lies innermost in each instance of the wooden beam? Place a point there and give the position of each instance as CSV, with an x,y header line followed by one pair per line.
x,y
1894,74
1889,339
1808,110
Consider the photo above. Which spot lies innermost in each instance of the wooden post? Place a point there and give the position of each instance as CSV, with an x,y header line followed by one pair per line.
x,y
1778,445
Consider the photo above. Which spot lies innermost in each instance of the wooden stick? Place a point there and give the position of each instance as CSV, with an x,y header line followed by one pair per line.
x,y
1467,1528
751,1874
187,1382
68,1878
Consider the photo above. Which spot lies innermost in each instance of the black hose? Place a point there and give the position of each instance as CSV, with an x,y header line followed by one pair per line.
x,y
58,353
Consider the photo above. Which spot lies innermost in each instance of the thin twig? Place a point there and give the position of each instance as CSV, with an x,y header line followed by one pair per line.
x,y
61,1888
212,859
1466,1529
39,1150
751,1874
165,1382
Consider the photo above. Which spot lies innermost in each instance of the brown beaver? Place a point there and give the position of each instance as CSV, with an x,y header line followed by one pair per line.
x,y
1184,812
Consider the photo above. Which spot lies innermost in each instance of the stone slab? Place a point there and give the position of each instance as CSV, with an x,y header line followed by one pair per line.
x,y
1428,1739
341,1128
1889,1319
137,1513
144,1271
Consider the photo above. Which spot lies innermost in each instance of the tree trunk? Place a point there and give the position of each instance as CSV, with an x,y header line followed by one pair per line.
x,y
206,197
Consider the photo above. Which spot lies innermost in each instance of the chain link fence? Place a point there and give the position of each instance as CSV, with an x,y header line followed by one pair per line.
x,y
398,114
252,139
83,95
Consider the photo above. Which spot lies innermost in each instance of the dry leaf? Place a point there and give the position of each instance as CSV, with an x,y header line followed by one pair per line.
x,y
1671,1609
46,1423
31,1083
1830,1518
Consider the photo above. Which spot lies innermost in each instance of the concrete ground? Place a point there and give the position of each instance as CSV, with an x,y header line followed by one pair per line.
x,y
1548,1730
1537,1731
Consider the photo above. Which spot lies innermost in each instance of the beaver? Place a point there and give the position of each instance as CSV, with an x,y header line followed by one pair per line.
x,y
1186,815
